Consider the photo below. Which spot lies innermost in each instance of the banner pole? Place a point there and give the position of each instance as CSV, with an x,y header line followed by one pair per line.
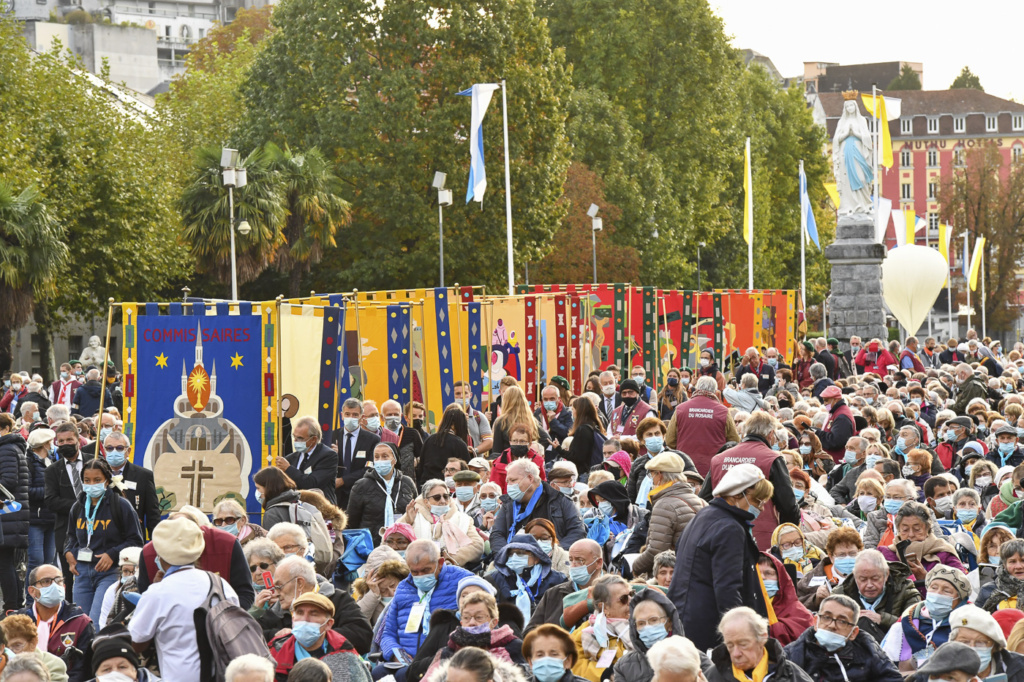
x,y
426,374
359,342
458,325
103,376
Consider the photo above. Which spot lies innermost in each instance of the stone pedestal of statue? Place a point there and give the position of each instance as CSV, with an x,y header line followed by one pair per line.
x,y
857,308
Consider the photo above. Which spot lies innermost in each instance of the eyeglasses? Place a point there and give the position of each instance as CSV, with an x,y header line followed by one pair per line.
x,y
46,582
261,566
226,521
115,448
278,586
440,497
520,442
827,620
790,545
476,620
641,624
291,549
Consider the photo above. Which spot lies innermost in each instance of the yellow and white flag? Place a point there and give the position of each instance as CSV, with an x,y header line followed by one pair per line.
x,y
979,246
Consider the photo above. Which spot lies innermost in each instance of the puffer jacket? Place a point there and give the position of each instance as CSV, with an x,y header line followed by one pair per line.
x,y
15,476
40,514
672,508
900,594
861,660
633,666
367,499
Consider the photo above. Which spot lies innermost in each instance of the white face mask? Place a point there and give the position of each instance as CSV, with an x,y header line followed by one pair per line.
x,y
608,390
114,677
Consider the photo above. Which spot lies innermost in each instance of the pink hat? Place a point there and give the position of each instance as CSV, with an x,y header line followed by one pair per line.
x,y
622,460
832,392
403,529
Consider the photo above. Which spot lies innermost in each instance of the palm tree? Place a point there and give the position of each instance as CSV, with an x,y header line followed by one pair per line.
x,y
32,252
315,210
206,216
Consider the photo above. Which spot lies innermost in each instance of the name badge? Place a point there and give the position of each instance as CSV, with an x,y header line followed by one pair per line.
x,y
308,471
415,618
361,454
85,555
816,581
606,659
131,485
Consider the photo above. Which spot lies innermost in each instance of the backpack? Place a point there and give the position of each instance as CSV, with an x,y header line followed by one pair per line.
x,y
312,521
225,631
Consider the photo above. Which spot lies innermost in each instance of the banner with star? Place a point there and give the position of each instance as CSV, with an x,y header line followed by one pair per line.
x,y
197,385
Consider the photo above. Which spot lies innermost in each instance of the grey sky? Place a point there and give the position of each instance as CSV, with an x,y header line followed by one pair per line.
x,y
945,35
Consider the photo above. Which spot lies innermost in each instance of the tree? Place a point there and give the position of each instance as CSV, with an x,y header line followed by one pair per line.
x,y
568,261
907,80
250,26
966,80
985,197
374,86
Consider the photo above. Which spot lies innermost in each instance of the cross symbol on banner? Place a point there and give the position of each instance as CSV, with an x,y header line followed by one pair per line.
x,y
196,473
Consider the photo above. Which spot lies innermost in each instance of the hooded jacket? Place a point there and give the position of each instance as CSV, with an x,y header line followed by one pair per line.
x,y
367,499
672,509
634,665
859,660
899,595
504,579
15,476
87,399
792,616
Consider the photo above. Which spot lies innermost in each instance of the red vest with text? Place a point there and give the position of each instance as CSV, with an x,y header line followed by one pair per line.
x,y
842,410
216,557
700,430
754,452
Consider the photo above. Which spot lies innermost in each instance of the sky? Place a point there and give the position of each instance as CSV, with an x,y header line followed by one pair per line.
x,y
945,35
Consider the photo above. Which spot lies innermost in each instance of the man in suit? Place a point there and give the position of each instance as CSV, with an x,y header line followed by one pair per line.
x,y
311,464
138,486
355,449
63,485
610,399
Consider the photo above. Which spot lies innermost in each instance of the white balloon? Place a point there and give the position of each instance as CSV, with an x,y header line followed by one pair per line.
x,y
912,278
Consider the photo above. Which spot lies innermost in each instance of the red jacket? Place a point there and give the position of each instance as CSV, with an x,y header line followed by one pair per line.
x,y
216,558
501,464
880,366
283,651
750,451
793,617
700,430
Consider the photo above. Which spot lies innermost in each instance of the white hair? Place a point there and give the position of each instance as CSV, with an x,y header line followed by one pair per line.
x,y
758,624
287,530
32,665
526,468
298,567
312,423
58,413
674,654
818,420
706,384
871,558
749,380
26,406
493,487
247,664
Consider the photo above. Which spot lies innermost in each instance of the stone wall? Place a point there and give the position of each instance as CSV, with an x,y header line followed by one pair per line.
x,y
857,307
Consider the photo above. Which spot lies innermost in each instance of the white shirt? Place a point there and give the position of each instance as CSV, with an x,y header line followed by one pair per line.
x,y
108,602
165,612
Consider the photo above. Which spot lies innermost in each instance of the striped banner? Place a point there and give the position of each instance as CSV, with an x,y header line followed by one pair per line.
x,y
442,316
130,342
619,327
575,360
650,333
532,359
475,357
398,352
686,344
344,382
716,299
269,313
561,338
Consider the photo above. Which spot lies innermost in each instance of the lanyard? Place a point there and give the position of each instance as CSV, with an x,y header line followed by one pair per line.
x,y
842,668
90,519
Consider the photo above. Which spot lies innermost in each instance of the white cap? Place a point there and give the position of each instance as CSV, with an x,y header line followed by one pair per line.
x,y
737,479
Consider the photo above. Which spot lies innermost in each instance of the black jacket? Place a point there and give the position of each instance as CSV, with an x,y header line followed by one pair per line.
x,y
318,470
782,669
87,399
560,426
765,378
827,359
842,482
42,402
116,527
60,496
362,454
553,506
716,562
349,621
140,491
435,454
15,476
633,665
601,406
40,514
861,658
366,504
443,623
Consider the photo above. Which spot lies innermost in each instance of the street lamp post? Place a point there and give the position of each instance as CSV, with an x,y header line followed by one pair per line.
x,y
233,176
596,225
444,198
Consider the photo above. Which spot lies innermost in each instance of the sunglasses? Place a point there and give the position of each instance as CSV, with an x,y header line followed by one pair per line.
x,y
261,566
226,521
439,498
115,448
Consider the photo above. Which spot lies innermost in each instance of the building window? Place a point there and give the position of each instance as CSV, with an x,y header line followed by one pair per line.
x,y
933,222
905,191
905,157
959,124
991,123
933,190
958,156
1017,153
202,33
1018,121
933,125
906,126
933,158
167,31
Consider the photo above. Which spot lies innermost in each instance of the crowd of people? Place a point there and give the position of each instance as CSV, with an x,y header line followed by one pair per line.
x,y
853,516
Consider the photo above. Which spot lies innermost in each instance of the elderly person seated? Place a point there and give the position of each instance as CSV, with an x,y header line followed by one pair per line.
x,y
925,551
435,517
868,498
792,548
398,537
881,527
652,618
113,656
992,539
543,531
586,565
522,573
919,464
817,517
311,636
229,516
115,605
529,498
550,654
490,502
952,662
676,659
926,624
263,556
673,504
976,628
249,668
479,627
748,653
382,572
882,588
1008,588
790,617
382,494
841,551
606,631
22,638
837,650
664,568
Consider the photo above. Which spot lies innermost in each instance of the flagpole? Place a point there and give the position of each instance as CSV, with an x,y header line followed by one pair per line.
x,y
803,247
750,213
508,192
949,282
967,279
874,152
983,325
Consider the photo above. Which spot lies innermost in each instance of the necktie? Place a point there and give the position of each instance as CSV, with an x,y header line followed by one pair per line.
x,y
348,450
76,478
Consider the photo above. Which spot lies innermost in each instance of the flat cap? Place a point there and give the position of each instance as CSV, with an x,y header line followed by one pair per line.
x,y
951,657
314,599
466,476
1006,430
669,462
965,422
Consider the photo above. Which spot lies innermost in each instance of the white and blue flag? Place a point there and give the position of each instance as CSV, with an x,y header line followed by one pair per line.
x,y
810,226
481,94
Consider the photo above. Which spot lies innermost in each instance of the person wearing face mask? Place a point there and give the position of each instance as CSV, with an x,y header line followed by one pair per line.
x,y
355,450
63,484
610,398
381,496
14,395
519,450
312,636
616,514
137,483
62,391
478,627
586,564
310,464
628,415
977,629
653,618
883,590
467,487
673,503
968,388
992,539
651,433
842,480
791,547
913,639
61,626
787,616
835,649
543,531
716,556
42,547
840,425
1007,590
1006,452
957,435
707,366
763,371
672,394
102,523
127,566
410,441
529,497
553,415
434,516
938,492
114,660
522,574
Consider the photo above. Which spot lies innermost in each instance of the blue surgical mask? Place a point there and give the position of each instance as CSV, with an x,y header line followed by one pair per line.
x,y
351,424
115,459
829,641
489,504
306,633
464,493
425,583
566,491
51,595
94,489
64,376
126,578
1007,448
439,509
580,574
869,401
547,669
901,443
545,545
771,587
892,506
968,469
849,456
1020,432
950,436
606,508
845,564
939,605
104,433
654,444
871,461
798,494
373,423
985,654
382,466
966,515
652,634
233,529
754,510
550,405
773,363
514,492
298,446
686,381
805,449
478,629
775,447
517,563
793,553
994,560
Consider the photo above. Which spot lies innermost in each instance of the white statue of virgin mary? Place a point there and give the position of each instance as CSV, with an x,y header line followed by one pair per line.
x,y
851,159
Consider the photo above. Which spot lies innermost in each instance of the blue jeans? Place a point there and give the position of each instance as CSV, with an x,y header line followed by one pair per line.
x,y
41,550
90,586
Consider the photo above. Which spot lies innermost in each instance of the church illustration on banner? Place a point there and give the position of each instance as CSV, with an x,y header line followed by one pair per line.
x,y
198,454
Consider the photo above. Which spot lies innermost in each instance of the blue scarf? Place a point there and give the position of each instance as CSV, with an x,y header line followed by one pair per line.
x,y
518,516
